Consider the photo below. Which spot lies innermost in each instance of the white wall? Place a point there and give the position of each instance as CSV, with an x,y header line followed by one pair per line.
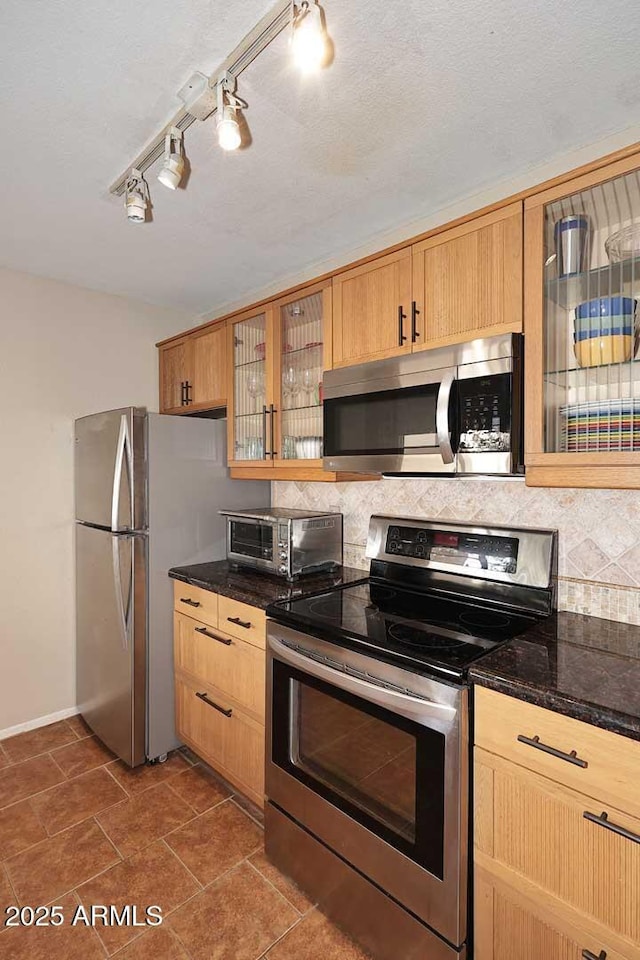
x,y
64,352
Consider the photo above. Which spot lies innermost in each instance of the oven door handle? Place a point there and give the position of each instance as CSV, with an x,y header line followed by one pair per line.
x,y
407,705
443,430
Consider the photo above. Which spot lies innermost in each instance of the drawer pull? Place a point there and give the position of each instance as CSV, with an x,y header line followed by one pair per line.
x,y
587,955
569,757
240,623
227,642
603,821
216,706
191,603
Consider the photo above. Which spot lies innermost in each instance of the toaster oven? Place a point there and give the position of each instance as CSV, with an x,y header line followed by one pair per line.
x,y
287,543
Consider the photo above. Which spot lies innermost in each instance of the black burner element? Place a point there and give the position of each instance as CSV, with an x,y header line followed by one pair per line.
x,y
416,637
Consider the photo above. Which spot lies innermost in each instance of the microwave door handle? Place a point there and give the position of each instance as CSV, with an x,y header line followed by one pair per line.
x,y
443,430
406,704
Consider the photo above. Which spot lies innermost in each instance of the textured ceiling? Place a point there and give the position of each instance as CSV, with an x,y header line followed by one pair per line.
x,y
427,101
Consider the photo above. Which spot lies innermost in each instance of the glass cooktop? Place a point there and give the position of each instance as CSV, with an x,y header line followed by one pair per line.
x,y
421,629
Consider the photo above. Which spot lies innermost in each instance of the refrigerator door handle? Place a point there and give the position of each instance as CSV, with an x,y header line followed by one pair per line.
x,y
123,610
123,449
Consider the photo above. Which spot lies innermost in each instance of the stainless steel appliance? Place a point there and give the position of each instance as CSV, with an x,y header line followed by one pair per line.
x,y
148,490
287,543
367,771
452,410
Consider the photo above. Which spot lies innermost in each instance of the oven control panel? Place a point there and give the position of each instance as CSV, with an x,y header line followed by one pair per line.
x,y
457,548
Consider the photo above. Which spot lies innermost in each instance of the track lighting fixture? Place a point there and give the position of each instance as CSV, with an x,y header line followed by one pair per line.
x,y
136,196
308,36
227,125
173,162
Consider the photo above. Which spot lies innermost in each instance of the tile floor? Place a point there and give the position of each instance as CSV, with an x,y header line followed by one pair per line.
x,y
78,828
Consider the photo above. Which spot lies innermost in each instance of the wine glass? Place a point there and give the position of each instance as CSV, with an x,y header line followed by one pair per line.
x,y
308,385
289,384
253,387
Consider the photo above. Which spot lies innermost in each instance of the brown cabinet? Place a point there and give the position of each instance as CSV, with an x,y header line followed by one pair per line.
x,y
279,355
193,371
582,353
467,281
561,864
371,306
176,365
220,684
457,285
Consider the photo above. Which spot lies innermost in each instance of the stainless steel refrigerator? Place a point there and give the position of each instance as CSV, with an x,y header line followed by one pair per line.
x,y
148,491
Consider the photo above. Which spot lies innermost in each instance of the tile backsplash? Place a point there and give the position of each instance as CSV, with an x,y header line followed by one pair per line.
x,y
598,530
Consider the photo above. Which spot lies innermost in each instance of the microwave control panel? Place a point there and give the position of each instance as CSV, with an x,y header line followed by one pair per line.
x,y
484,405
468,550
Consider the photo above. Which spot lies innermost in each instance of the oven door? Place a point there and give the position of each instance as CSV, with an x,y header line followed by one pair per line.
x,y
252,542
380,420
372,760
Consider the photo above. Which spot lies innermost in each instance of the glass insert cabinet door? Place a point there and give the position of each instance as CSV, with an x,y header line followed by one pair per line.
x,y
250,353
302,352
585,352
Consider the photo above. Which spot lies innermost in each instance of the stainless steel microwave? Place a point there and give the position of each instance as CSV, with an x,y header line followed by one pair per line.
x,y
452,410
287,543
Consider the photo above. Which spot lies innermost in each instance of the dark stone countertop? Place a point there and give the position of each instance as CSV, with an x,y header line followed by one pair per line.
x,y
261,589
580,666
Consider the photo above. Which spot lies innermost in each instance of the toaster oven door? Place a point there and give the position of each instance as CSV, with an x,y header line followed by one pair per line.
x,y
252,542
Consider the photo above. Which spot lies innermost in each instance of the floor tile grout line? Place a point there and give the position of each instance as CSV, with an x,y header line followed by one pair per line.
x,y
196,817
266,879
279,939
10,882
113,844
183,864
176,794
232,798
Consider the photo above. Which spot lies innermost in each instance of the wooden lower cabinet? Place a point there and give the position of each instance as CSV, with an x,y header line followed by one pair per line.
x,y
233,666
220,669
511,927
232,742
557,870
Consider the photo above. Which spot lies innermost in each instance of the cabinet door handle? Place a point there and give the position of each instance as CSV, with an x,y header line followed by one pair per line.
x,y
414,324
191,603
182,393
212,703
240,623
187,388
603,821
401,318
587,955
265,452
560,754
203,630
272,452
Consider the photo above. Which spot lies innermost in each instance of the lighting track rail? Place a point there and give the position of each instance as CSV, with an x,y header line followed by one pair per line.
x,y
199,94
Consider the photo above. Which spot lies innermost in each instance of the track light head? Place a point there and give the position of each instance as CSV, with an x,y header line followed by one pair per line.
x,y
173,163
229,136
136,197
308,36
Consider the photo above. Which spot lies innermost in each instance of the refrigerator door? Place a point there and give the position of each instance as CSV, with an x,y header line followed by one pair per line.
x,y
110,469
111,606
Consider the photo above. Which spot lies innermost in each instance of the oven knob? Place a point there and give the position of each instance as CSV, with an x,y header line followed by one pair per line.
x,y
283,568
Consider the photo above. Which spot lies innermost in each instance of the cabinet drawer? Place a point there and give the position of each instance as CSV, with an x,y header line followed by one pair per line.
x,y
509,926
196,602
234,667
231,741
243,621
605,766
579,851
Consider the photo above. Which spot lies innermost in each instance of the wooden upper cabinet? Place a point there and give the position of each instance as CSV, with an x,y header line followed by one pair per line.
x,y
210,368
371,310
176,364
582,412
193,371
467,281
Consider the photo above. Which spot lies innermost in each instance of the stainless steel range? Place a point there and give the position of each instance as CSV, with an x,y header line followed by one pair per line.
x,y
368,726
